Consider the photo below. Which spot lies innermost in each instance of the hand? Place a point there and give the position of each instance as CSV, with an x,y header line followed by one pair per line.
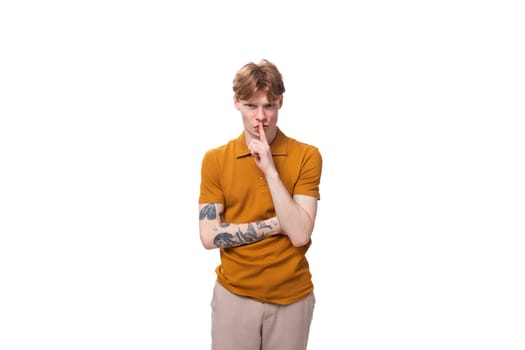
x,y
261,152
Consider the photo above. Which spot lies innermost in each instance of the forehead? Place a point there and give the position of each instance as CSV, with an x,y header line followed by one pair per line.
x,y
260,97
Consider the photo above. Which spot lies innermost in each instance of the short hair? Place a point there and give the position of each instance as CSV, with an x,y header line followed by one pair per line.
x,y
255,77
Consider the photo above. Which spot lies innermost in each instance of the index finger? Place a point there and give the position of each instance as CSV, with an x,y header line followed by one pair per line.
x,y
262,134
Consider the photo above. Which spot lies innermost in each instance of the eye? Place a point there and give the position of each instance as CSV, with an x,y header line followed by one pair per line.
x,y
270,106
250,106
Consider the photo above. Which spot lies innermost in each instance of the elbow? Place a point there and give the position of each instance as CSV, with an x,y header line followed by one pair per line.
x,y
300,243
300,237
300,240
208,246
207,243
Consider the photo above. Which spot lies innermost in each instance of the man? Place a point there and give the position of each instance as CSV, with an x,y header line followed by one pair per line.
x,y
258,204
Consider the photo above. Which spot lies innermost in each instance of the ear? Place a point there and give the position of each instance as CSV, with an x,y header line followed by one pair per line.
x,y
281,101
236,103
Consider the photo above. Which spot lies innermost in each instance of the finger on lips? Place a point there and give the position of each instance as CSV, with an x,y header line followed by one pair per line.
x,y
262,134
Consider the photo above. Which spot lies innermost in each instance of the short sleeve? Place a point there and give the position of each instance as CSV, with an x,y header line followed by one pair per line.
x,y
210,187
310,176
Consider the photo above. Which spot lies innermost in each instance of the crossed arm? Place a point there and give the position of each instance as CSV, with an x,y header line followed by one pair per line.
x,y
217,234
299,215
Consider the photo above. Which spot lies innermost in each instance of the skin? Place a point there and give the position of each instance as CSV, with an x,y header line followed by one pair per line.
x,y
295,216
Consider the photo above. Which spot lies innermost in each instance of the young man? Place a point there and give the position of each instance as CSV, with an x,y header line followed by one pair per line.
x,y
258,204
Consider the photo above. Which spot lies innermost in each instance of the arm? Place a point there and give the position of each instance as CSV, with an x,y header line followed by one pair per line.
x,y
296,214
216,234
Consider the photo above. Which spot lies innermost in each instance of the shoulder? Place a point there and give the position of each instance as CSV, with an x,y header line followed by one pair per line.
x,y
307,154
302,147
219,150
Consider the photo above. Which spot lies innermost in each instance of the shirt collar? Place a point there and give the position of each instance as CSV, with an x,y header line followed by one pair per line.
x,y
279,145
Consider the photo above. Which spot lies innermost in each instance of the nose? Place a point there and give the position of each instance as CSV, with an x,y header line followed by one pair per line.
x,y
260,115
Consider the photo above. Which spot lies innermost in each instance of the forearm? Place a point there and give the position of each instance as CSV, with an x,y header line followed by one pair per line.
x,y
217,234
296,219
233,235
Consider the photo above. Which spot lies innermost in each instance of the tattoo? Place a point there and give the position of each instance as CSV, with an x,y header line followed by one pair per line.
x,y
250,236
262,224
228,240
224,240
209,212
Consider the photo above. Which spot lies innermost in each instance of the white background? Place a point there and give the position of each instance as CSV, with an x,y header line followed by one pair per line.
x,y
417,107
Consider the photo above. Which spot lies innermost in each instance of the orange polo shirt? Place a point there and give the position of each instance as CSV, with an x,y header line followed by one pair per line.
x,y
271,270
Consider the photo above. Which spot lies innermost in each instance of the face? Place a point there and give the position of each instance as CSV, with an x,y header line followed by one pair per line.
x,y
259,110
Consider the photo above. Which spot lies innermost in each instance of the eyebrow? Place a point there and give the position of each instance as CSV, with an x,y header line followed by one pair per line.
x,y
264,104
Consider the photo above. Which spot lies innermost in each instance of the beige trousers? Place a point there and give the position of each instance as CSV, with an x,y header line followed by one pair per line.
x,y
240,323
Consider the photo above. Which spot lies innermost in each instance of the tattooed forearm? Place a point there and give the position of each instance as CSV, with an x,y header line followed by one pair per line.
x,y
262,224
229,240
215,233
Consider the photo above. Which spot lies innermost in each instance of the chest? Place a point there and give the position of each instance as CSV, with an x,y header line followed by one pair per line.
x,y
244,183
